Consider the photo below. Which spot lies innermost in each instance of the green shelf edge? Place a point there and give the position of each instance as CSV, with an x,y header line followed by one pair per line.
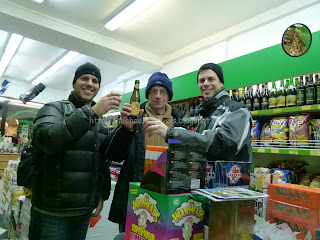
x,y
304,108
306,152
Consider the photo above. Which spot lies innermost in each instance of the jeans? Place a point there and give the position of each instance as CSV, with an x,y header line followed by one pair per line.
x,y
46,227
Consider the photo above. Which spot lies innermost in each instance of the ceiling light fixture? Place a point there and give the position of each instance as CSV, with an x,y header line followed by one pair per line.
x,y
38,1
11,48
128,13
67,58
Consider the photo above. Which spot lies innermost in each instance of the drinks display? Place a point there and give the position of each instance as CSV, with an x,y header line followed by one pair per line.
x,y
265,97
257,99
281,96
301,92
310,90
291,98
317,82
135,100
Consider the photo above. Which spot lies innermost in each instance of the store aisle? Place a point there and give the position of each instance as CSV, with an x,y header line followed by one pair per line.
x,y
104,229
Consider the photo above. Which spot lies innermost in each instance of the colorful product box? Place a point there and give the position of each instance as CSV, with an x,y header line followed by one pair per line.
x,y
231,220
260,208
295,194
154,216
232,173
179,169
299,219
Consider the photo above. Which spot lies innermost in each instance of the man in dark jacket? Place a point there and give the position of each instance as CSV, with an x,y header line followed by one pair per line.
x,y
225,129
70,147
159,92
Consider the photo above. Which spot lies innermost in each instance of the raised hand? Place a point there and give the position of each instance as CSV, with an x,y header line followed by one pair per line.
x,y
106,103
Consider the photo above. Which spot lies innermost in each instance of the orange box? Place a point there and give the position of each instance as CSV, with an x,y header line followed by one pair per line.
x,y
295,194
299,219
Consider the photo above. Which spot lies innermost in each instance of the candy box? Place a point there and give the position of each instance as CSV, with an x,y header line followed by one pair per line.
x,y
232,173
152,216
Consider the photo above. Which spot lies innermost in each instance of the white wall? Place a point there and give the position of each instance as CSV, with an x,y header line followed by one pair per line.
x,y
243,39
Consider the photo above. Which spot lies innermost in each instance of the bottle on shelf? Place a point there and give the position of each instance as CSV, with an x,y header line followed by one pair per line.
x,y
291,98
192,108
257,99
281,96
317,82
197,107
265,97
273,96
249,99
242,95
310,90
235,95
301,92
135,101
230,94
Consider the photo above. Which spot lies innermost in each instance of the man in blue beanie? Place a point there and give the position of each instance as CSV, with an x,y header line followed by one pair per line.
x,y
158,92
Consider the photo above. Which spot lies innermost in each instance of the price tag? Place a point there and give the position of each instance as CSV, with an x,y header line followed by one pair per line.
x,y
278,110
306,107
254,112
293,152
273,150
261,150
315,152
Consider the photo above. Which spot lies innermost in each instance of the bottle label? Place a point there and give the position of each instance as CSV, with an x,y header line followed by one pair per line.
x,y
310,95
248,104
256,104
281,101
301,96
318,94
135,106
264,103
291,100
272,102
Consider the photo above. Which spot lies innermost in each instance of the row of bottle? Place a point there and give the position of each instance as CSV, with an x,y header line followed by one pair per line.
x,y
298,91
189,108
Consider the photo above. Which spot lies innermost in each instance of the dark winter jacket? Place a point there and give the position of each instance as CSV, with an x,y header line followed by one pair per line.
x,y
225,129
72,172
133,169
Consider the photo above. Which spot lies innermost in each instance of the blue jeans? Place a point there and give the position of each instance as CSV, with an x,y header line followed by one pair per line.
x,y
46,227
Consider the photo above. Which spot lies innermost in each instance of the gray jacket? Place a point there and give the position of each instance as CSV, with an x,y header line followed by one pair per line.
x,y
225,129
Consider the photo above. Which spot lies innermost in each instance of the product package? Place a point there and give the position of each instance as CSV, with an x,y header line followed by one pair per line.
x,y
232,173
299,130
153,216
179,169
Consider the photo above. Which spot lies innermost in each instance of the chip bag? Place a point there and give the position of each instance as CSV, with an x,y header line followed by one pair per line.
x,y
256,131
279,130
266,134
299,130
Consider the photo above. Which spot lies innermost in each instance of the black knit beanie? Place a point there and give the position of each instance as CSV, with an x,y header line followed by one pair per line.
x,y
87,68
214,67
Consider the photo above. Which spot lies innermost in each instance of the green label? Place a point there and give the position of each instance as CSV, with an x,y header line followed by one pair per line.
x,y
272,102
310,95
281,101
301,96
291,100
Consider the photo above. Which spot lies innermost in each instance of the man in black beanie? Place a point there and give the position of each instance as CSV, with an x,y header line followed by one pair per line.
x,y
70,149
225,127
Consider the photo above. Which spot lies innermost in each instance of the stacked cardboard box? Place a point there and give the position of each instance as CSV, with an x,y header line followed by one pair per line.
x,y
296,205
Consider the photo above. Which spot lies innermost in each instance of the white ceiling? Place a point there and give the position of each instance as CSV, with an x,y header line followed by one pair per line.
x,y
145,44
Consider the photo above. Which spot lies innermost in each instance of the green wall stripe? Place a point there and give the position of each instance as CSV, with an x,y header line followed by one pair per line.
x,y
268,64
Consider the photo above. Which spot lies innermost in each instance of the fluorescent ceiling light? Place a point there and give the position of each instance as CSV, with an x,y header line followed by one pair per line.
x,y
128,13
38,1
17,102
11,48
67,58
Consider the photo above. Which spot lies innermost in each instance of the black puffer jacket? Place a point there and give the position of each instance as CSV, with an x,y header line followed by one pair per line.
x,y
133,168
72,172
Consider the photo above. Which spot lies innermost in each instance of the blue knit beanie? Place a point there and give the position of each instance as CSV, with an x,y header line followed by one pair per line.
x,y
159,79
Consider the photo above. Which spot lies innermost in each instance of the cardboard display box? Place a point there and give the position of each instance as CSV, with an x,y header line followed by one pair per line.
x,y
231,220
295,194
154,216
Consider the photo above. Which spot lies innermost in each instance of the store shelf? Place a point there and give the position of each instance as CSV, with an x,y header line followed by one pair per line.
x,y
286,110
288,151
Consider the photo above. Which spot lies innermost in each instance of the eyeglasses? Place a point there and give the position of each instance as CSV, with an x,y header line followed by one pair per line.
x,y
154,92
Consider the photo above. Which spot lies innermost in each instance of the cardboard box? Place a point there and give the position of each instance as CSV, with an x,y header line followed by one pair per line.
x,y
299,219
295,194
232,173
179,169
260,208
231,220
153,216
259,182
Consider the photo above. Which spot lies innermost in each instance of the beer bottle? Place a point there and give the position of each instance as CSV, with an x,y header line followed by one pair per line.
x,y
273,96
301,92
291,99
281,98
135,100
192,108
235,95
230,94
257,100
242,94
265,97
249,99
197,107
317,81
310,90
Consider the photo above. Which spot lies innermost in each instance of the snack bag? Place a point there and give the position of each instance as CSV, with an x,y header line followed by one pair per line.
x,y
266,134
299,130
283,175
315,183
256,131
315,132
304,180
279,130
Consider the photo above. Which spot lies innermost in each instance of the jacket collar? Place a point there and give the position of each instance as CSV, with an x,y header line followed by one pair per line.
x,y
209,105
77,101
